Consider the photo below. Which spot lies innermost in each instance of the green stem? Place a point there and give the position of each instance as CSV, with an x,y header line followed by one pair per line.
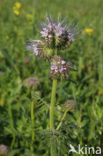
x,y
52,104
11,125
13,141
52,111
64,115
33,126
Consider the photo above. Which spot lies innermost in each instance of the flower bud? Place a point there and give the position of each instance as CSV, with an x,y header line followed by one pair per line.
x,y
70,105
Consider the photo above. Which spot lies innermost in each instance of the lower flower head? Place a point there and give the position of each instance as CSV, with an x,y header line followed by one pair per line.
x,y
59,67
58,34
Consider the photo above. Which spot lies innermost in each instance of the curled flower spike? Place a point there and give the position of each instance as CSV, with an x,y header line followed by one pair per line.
x,y
58,34
38,48
60,67
48,31
70,104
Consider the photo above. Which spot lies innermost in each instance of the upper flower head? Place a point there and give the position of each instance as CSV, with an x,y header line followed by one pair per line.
x,y
58,33
59,30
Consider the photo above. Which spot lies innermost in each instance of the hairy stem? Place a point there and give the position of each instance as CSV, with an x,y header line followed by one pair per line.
x,y
52,112
52,104
33,126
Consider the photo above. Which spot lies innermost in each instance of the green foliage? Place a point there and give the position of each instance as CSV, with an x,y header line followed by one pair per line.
x,y
82,126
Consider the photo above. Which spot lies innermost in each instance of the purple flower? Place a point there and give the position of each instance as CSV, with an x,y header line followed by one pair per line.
x,y
31,82
44,32
63,62
73,32
37,47
33,48
59,67
53,66
58,32
47,28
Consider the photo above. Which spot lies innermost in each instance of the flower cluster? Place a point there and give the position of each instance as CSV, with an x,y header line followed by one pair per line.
x,y
37,48
31,82
58,34
60,67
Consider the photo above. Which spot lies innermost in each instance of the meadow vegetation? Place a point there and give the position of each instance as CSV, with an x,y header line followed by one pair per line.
x,y
26,85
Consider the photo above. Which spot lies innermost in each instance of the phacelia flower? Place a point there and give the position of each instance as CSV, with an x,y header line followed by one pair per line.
x,y
48,31
4,150
31,82
58,34
70,105
37,47
58,30
60,67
